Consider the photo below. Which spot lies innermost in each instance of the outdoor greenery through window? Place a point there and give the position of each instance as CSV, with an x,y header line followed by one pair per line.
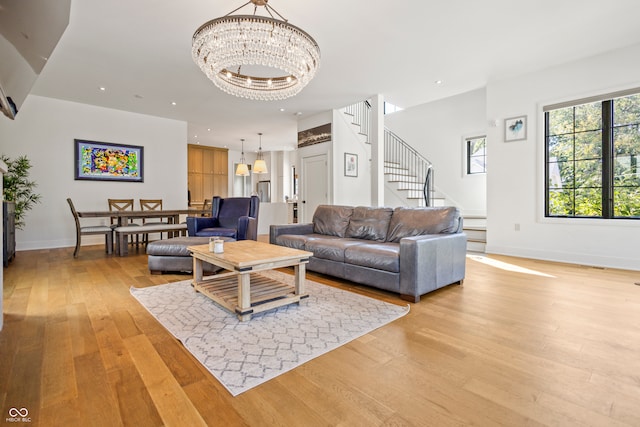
x,y
592,152
476,155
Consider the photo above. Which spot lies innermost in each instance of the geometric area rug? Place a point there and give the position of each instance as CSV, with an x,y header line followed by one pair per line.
x,y
242,355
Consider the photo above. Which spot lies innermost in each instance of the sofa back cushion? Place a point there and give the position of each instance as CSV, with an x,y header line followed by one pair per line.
x,y
407,222
331,220
369,223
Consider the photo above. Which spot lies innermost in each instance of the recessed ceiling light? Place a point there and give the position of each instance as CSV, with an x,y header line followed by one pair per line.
x,y
209,130
282,109
138,96
299,113
438,82
102,88
173,103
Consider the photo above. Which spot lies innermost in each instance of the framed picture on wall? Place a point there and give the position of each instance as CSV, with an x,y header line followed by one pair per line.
x,y
515,129
103,161
314,136
350,164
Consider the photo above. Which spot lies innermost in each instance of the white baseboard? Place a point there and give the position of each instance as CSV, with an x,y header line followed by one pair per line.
x,y
571,258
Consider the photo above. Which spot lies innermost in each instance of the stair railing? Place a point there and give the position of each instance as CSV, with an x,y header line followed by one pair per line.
x,y
361,117
396,150
418,168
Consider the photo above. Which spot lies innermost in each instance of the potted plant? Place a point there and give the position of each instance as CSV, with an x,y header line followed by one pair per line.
x,y
18,188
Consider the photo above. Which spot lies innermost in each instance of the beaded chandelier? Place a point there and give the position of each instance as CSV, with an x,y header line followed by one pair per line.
x,y
279,59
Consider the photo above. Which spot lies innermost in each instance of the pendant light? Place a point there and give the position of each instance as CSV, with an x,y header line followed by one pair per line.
x,y
242,169
260,166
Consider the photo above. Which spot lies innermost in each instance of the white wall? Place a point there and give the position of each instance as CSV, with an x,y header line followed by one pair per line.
x,y
437,131
516,169
349,190
45,129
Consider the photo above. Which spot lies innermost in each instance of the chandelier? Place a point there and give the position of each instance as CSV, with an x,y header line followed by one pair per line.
x,y
278,58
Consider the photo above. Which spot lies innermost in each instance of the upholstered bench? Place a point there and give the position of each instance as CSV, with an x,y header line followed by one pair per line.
x,y
171,255
123,231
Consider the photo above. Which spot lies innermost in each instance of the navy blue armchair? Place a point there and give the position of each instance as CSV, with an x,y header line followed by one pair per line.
x,y
235,217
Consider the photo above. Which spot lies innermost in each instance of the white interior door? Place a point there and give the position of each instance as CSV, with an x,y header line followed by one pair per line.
x,y
314,185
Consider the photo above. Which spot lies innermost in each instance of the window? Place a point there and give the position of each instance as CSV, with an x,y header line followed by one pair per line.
x,y
591,158
476,155
390,108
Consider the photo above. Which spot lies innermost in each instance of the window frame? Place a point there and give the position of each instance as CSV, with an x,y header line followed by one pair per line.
x,y
607,161
467,154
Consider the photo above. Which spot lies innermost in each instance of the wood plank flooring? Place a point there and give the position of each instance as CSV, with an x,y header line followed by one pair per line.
x,y
522,343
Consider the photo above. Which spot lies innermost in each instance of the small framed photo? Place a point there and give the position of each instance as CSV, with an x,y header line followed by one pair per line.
x,y
515,129
350,164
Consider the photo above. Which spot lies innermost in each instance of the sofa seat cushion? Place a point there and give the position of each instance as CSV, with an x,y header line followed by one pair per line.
x,y
369,223
379,256
331,220
332,248
408,222
299,241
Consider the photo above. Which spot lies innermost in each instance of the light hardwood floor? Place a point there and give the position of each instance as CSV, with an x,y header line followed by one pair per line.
x,y
523,342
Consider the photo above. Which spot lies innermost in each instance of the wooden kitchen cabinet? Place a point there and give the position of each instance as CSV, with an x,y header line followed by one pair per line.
x,y
207,172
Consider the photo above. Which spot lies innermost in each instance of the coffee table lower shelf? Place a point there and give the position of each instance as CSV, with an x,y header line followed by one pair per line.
x,y
266,293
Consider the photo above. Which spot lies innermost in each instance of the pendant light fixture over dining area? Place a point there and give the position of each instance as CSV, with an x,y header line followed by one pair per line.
x,y
243,168
260,166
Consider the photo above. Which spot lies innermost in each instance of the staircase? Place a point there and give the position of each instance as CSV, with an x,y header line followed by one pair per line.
x,y
475,227
410,175
404,167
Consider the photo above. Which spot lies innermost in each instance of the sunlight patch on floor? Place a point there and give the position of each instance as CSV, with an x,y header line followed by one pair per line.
x,y
506,266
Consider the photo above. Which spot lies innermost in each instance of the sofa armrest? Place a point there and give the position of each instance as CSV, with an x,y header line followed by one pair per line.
x,y
247,228
196,223
430,262
278,230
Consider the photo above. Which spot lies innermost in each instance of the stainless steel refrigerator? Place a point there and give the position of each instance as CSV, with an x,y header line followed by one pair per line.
x,y
264,191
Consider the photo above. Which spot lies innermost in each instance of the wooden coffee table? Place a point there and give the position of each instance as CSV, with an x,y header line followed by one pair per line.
x,y
240,289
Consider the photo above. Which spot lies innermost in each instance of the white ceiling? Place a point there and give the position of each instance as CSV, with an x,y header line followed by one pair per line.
x,y
140,51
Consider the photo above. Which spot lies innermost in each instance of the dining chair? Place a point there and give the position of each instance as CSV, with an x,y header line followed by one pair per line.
x,y
89,231
121,205
151,205
206,207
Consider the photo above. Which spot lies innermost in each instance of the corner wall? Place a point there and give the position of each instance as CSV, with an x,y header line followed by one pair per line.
x,y
45,129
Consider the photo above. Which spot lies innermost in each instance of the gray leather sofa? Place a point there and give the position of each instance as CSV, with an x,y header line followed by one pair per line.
x,y
411,251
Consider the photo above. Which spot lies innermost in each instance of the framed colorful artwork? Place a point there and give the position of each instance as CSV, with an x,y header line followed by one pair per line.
x,y
103,161
314,136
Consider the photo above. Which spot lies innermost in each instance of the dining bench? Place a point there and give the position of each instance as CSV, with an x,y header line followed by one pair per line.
x,y
124,231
